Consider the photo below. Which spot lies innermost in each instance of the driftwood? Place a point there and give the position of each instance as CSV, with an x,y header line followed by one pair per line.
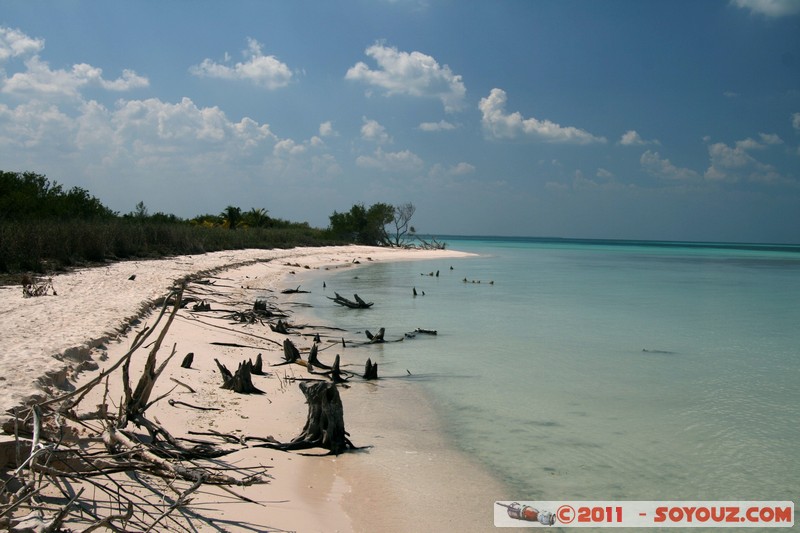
x,y
324,427
313,359
265,309
201,306
290,352
241,381
137,402
70,449
291,355
281,327
335,373
258,367
294,291
357,304
36,287
187,360
370,370
377,338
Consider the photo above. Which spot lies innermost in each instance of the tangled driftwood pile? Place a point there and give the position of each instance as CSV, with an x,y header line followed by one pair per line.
x,y
140,476
119,455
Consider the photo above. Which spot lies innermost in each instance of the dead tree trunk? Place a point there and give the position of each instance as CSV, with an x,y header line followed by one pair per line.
x,y
258,367
324,426
335,373
290,351
138,400
377,338
357,304
370,370
314,361
241,381
281,327
187,361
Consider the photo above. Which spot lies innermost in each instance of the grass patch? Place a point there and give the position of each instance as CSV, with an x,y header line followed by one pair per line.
x,y
42,246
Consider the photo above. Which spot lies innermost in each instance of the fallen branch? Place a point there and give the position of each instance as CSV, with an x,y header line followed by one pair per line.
x,y
357,304
173,403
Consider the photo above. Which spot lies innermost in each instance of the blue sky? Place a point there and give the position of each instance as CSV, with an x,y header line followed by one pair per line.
x,y
569,118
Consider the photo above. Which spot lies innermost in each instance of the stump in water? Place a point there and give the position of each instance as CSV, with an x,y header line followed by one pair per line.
x,y
324,426
377,338
357,304
370,370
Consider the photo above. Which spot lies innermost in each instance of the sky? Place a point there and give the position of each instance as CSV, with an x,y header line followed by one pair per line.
x,y
621,119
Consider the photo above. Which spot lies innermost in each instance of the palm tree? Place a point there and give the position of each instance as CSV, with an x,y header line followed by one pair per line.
x,y
256,218
232,216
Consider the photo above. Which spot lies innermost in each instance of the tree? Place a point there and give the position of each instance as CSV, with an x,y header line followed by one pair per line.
x,y
257,218
140,211
26,196
401,220
232,216
362,225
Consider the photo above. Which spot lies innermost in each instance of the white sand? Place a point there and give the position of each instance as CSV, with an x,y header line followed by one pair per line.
x,y
409,479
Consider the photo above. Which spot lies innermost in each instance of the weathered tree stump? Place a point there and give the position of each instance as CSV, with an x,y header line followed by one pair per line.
x,y
241,381
258,367
314,361
187,360
377,338
290,352
324,426
281,327
370,370
336,374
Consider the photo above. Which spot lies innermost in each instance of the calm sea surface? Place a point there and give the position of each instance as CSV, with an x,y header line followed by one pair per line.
x,y
605,370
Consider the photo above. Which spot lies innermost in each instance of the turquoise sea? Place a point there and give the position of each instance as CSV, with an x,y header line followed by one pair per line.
x,y
600,370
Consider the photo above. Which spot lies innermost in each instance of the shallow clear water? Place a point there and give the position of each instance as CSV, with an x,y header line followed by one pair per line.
x,y
601,371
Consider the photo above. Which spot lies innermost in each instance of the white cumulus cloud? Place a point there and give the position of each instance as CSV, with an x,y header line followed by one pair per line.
x,y
403,161
14,43
770,8
603,173
734,163
659,167
326,130
39,79
442,125
632,138
413,74
263,70
796,121
500,124
372,131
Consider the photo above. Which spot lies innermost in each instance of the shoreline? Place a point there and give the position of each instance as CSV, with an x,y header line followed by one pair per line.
x,y
398,486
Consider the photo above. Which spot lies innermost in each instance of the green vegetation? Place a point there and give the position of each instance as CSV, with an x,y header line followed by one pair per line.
x,y
45,228
368,226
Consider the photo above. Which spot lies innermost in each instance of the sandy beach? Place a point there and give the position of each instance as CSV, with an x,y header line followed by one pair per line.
x,y
407,476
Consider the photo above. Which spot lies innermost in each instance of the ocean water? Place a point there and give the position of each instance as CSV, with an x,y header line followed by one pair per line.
x,y
600,370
